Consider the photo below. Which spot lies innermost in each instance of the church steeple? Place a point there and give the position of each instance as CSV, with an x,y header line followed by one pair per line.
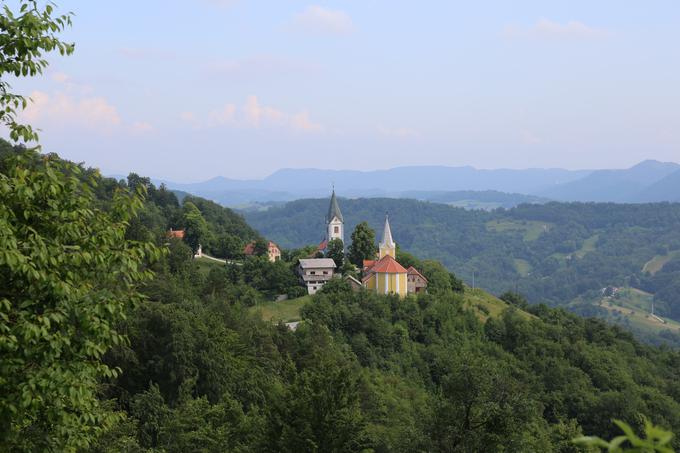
x,y
387,245
334,209
334,221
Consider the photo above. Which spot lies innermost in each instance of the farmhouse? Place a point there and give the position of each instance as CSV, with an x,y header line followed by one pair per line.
x,y
315,272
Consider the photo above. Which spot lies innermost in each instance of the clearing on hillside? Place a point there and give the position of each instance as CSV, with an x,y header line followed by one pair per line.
x,y
523,267
658,262
284,311
486,305
529,229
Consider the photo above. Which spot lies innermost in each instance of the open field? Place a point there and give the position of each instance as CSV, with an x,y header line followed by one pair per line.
x,y
658,262
285,310
487,305
529,229
631,307
522,267
205,264
588,246
475,204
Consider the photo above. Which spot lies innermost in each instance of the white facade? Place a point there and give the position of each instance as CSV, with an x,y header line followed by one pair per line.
x,y
315,272
334,221
336,230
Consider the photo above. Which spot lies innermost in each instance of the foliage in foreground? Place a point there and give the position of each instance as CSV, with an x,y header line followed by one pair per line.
x,y
69,277
655,440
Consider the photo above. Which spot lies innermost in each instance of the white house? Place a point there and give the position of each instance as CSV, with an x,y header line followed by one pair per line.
x,y
315,272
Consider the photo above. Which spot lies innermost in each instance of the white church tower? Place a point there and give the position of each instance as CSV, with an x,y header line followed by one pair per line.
x,y
334,221
387,246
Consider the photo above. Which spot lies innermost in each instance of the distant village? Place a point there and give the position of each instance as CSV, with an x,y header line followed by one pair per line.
x,y
381,273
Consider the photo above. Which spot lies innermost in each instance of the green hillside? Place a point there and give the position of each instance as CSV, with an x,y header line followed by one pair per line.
x,y
553,253
199,367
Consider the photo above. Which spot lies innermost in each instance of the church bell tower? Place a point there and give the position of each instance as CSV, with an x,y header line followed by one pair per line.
x,y
334,222
387,246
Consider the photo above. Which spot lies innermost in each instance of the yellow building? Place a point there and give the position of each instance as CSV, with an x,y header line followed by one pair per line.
x,y
386,276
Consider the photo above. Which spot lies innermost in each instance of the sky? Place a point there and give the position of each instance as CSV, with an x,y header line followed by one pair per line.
x,y
189,90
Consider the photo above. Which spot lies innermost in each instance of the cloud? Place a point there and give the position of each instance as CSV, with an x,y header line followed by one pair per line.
x,y
60,77
317,19
547,29
73,105
62,108
302,122
225,115
400,132
252,114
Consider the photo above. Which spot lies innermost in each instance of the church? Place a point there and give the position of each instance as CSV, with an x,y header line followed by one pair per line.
x,y
384,275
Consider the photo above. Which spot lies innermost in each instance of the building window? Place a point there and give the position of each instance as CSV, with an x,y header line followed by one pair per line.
x,y
312,272
325,272
336,229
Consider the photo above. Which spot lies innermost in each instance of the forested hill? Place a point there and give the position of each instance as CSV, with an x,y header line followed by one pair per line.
x,y
220,230
195,367
557,253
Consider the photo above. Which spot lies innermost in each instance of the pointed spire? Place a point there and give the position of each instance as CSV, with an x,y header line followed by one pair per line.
x,y
334,208
387,234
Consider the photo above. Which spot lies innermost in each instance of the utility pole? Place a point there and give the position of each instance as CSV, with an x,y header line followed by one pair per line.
x,y
473,279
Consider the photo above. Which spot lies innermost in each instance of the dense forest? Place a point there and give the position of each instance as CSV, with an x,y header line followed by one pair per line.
x,y
199,370
560,254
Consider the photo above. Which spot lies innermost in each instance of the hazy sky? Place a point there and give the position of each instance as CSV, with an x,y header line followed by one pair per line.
x,y
188,90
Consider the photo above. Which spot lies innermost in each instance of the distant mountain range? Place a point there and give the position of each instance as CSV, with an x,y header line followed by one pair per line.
x,y
466,186
647,181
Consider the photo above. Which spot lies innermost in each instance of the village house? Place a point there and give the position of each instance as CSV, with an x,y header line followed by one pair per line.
x,y
315,272
273,251
415,281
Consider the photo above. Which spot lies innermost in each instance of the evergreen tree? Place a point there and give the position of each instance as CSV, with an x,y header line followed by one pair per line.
x,y
363,244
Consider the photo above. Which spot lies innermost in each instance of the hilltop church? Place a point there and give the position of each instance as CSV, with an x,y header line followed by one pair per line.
x,y
384,275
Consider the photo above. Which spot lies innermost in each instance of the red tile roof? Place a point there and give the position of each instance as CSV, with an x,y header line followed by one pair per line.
x,y
178,234
368,264
387,264
322,245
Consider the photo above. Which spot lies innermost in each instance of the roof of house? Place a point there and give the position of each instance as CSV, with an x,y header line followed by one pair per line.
x,y
413,271
368,264
389,265
179,234
249,249
349,277
334,209
317,262
322,245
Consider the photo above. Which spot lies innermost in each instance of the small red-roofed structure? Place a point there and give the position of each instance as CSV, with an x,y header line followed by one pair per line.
x,y
175,234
